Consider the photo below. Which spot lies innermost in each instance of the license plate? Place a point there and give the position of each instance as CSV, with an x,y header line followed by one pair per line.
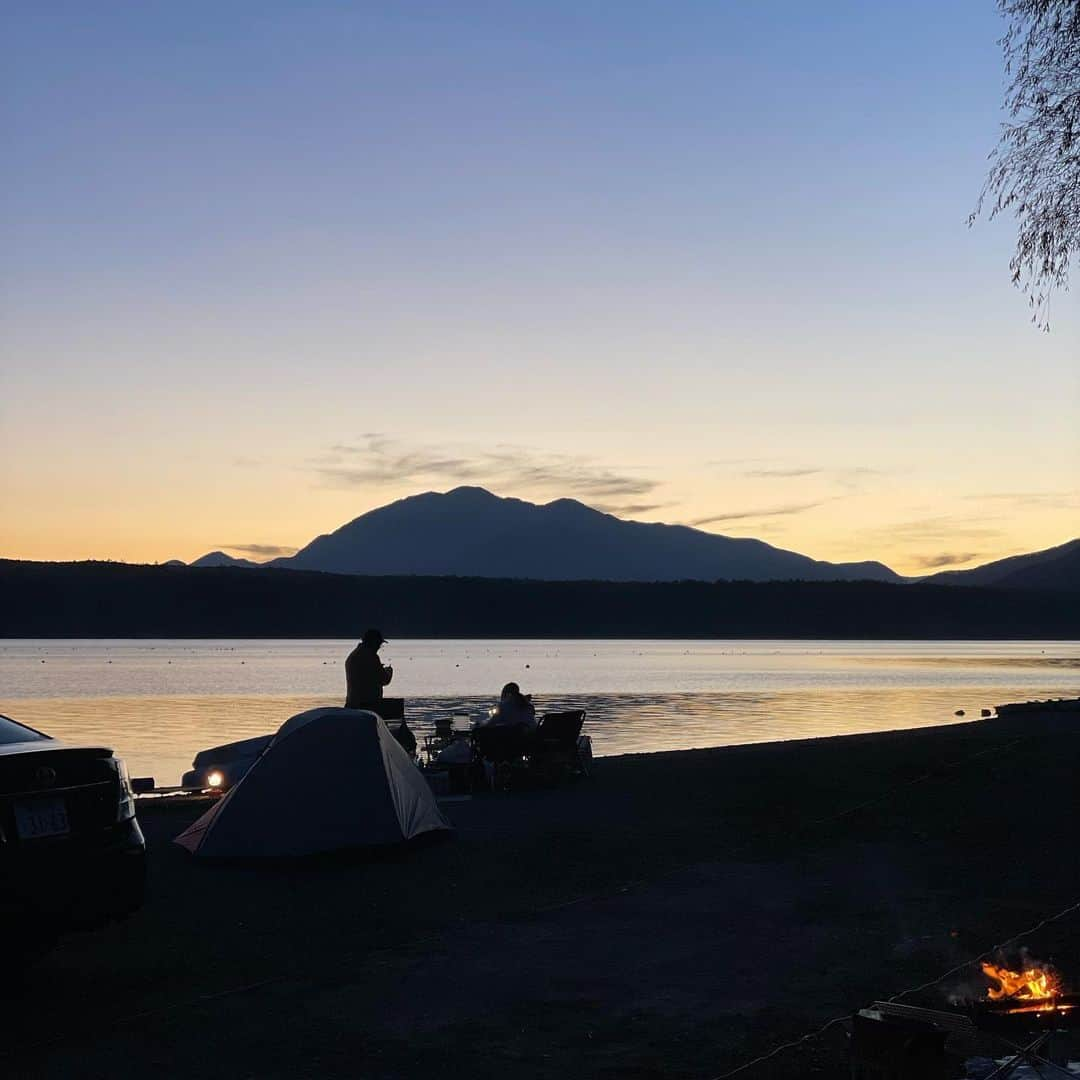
x,y
35,818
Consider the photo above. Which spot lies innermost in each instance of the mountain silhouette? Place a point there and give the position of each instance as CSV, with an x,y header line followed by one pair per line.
x,y
219,558
469,532
1055,568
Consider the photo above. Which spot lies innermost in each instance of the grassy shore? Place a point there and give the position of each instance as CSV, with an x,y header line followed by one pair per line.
x,y
672,917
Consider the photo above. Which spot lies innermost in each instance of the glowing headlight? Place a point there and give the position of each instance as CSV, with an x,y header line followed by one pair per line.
x,y
215,778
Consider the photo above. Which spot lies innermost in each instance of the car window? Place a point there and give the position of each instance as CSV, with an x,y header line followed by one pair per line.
x,y
10,732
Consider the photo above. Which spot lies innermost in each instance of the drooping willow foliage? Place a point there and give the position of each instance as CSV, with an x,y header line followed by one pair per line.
x,y
1035,169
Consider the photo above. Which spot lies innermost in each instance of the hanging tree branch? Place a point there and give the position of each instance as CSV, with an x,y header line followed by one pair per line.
x,y
1035,169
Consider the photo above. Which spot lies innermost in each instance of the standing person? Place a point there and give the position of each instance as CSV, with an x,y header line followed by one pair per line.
x,y
365,674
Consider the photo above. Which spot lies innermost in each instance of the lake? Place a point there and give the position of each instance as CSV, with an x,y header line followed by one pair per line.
x,y
157,702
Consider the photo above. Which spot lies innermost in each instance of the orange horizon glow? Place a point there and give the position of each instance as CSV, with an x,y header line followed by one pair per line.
x,y
823,535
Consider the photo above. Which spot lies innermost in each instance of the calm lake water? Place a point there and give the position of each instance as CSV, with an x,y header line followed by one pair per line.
x,y
157,702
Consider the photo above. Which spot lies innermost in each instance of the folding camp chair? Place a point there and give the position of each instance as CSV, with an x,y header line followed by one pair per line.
x,y
506,749
440,738
559,750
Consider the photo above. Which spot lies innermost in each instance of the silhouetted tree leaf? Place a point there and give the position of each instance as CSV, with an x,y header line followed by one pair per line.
x,y
1035,169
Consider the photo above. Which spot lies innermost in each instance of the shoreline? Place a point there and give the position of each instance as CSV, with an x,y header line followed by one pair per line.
x,y
159,735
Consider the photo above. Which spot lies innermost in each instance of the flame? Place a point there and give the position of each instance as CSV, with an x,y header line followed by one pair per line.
x,y
1031,984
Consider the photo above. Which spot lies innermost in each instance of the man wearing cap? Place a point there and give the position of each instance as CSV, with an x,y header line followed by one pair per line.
x,y
365,674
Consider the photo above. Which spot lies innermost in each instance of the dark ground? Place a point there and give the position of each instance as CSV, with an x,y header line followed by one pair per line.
x,y
673,917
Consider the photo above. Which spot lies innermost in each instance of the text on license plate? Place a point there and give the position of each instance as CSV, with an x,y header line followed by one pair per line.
x,y
41,817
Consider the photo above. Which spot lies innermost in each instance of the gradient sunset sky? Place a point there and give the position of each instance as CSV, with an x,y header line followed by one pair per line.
x,y
267,266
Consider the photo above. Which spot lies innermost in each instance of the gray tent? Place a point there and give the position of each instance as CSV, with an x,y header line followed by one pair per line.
x,y
329,779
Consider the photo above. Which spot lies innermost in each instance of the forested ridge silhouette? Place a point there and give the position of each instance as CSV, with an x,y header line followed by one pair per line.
x,y
103,599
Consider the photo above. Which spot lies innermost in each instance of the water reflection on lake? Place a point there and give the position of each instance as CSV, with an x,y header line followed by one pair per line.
x,y
157,702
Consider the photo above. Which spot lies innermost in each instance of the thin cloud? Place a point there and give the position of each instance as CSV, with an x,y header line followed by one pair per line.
x,y
1065,500
851,478
265,551
753,515
722,462
621,510
376,460
946,558
937,529
855,478
781,473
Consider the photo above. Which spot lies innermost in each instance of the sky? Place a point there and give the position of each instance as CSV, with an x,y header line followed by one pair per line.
x,y
265,267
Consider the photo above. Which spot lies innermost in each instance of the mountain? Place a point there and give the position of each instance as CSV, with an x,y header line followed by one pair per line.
x,y
219,558
468,532
1054,568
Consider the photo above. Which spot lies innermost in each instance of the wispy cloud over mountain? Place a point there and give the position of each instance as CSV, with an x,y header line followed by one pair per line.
x,y
627,508
937,529
265,551
849,478
945,559
764,512
377,460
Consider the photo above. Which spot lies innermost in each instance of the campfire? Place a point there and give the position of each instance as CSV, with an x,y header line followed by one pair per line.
x,y
1025,1006
1032,988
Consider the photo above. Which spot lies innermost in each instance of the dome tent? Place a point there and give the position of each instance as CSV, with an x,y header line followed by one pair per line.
x,y
329,779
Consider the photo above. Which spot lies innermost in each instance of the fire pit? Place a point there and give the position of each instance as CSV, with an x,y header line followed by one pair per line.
x,y
1024,1006
1029,1000
1033,984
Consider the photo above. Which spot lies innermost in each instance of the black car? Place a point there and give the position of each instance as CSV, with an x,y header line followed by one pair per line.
x,y
72,855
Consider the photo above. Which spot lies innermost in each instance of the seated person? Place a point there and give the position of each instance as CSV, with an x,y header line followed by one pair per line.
x,y
515,709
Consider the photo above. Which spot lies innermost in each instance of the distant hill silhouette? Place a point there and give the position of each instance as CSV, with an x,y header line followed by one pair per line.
x,y
118,600
219,558
1054,568
468,532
